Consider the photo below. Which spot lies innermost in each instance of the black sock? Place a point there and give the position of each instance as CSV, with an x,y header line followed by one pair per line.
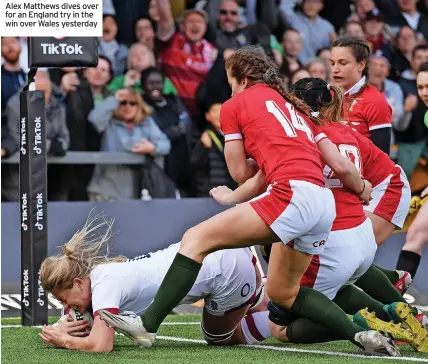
x,y
377,285
391,274
305,331
351,299
318,308
409,262
177,283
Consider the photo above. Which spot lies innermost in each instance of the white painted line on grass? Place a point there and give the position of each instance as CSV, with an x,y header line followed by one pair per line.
x,y
164,324
295,350
268,347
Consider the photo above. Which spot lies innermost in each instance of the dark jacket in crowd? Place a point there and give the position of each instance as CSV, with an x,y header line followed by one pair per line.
x,y
256,34
173,120
11,83
416,131
209,167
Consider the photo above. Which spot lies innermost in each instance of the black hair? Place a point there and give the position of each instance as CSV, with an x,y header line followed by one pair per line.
x,y
320,97
147,72
420,47
110,65
423,68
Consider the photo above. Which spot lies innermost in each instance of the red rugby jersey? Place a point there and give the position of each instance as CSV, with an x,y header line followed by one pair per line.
x,y
366,111
279,138
186,65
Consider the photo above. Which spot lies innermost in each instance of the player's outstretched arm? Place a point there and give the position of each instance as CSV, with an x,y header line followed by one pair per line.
x,y
245,192
99,340
345,169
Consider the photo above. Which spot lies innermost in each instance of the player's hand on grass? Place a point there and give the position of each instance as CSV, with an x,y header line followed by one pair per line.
x,y
222,195
366,195
54,336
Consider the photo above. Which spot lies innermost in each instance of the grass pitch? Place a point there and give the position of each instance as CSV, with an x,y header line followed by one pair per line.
x,y
180,341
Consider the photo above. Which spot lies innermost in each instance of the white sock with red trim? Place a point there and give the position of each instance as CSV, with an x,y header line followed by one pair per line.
x,y
255,327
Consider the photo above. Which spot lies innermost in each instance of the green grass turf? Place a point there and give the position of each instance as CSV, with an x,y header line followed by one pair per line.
x,y
23,345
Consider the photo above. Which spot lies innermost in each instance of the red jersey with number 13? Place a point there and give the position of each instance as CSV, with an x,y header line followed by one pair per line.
x,y
281,140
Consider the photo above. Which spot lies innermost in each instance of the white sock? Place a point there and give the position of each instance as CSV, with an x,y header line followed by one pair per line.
x,y
255,327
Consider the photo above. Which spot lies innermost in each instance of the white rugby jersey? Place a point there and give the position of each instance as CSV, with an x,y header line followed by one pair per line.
x,y
132,285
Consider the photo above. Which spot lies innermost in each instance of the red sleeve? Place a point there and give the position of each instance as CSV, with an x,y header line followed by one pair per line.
x,y
318,132
229,121
378,113
114,311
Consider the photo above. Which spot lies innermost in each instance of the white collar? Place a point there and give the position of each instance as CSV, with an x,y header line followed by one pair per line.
x,y
315,113
357,87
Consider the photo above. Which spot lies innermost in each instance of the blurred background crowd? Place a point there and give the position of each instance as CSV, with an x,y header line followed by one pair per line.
x,y
160,83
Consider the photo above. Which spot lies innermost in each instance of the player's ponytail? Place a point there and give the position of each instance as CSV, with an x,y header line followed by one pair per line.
x,y
321,97
79,256
252,63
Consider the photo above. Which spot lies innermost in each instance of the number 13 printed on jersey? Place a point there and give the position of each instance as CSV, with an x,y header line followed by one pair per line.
x,y
348,151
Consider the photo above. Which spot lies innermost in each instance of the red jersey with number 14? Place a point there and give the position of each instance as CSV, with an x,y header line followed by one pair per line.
x,y
280,139
349,207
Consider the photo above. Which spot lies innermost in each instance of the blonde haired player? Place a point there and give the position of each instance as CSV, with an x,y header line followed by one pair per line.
x,y
83,278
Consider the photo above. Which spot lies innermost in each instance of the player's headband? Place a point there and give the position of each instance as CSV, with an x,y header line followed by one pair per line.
x,y
312,91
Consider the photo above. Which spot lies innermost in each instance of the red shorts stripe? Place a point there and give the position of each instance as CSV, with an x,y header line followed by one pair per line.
x,y
254,331
273,203
310,276
389,202
114,311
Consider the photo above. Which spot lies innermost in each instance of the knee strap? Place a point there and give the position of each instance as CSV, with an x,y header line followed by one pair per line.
x,y
217,339
280,315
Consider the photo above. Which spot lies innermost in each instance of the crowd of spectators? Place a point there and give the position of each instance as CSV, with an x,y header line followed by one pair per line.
x,y
160,83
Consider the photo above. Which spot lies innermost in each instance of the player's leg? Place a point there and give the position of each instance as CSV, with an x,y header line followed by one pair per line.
x,y
346,256
416,238
308,303
234,291
377,285
387,210
235,328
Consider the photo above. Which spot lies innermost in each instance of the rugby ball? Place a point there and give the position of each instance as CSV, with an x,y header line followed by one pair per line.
x,y
76,316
